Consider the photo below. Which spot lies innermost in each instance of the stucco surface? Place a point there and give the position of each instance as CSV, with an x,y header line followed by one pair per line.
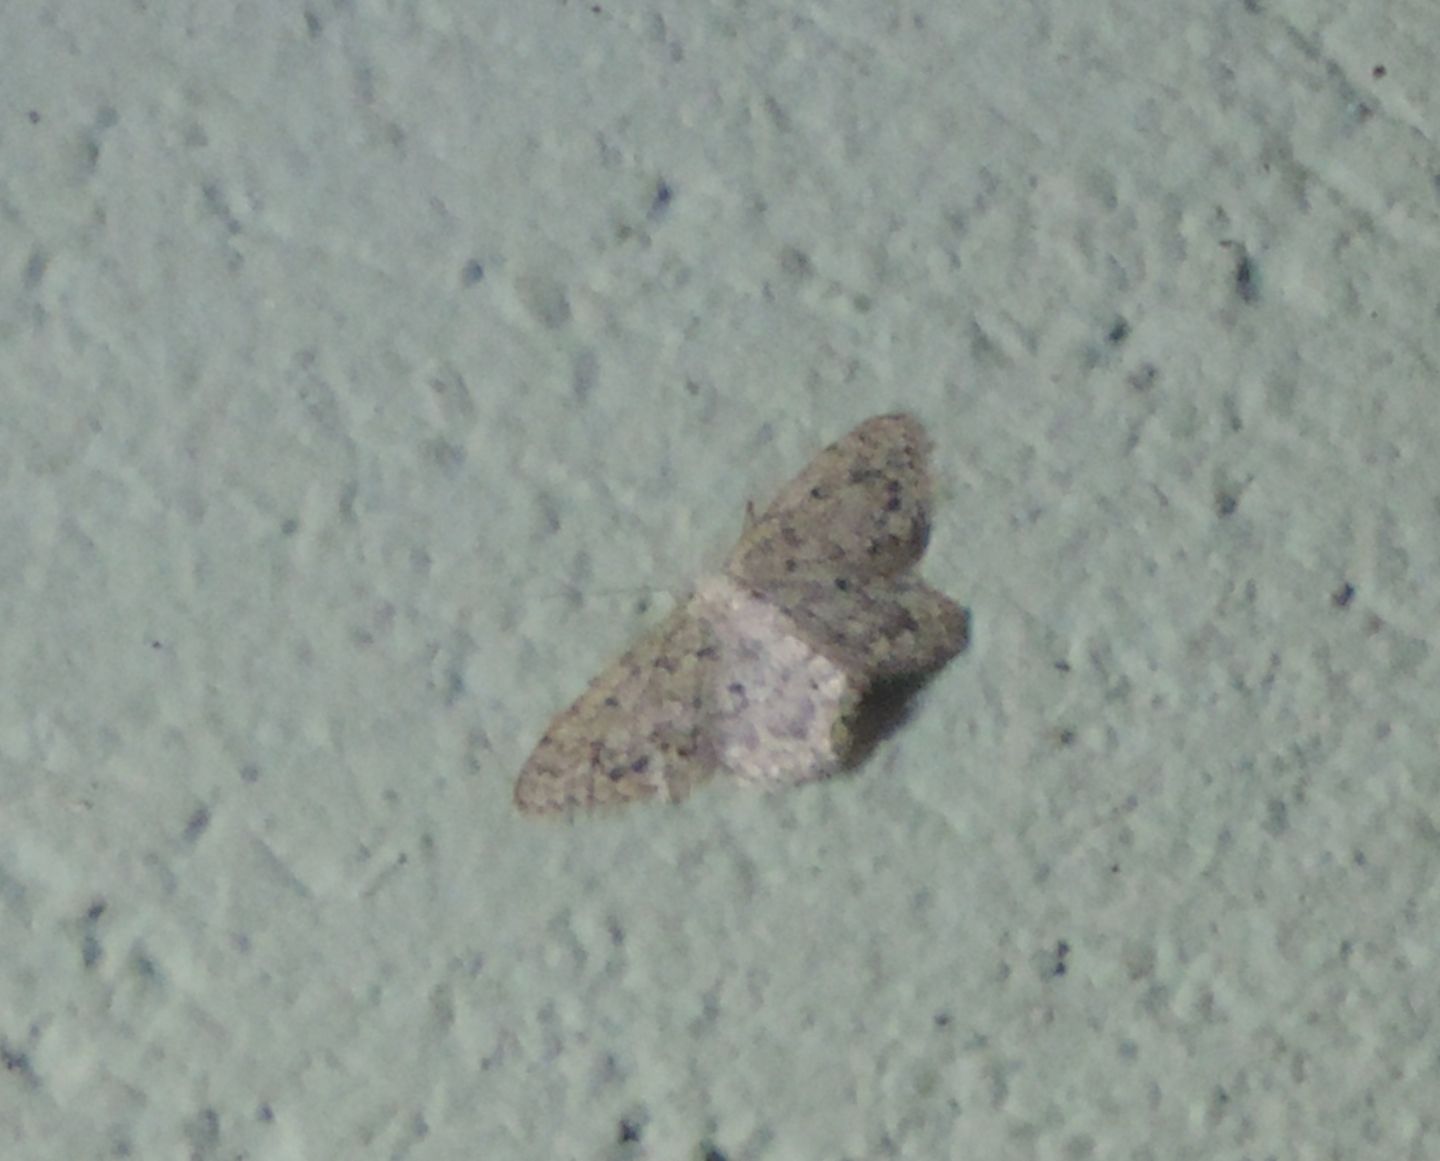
x,y
373,372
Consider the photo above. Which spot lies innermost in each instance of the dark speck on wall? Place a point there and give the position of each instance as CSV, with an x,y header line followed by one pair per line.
x,y
198,824
1245,279
1062,953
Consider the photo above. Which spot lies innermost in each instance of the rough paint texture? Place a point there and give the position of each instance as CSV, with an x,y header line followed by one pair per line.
x,y
761,672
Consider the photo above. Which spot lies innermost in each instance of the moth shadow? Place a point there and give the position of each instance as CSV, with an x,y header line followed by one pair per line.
x,y
884,709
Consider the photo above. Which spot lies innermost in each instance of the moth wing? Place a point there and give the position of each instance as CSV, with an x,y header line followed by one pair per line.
x,y
781,704
889,629
860,509
637,732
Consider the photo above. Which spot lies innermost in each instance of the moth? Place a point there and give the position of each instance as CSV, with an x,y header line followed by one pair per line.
x,y
765,671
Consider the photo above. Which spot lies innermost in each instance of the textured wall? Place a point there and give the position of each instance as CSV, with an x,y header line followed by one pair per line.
x,y
372,372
